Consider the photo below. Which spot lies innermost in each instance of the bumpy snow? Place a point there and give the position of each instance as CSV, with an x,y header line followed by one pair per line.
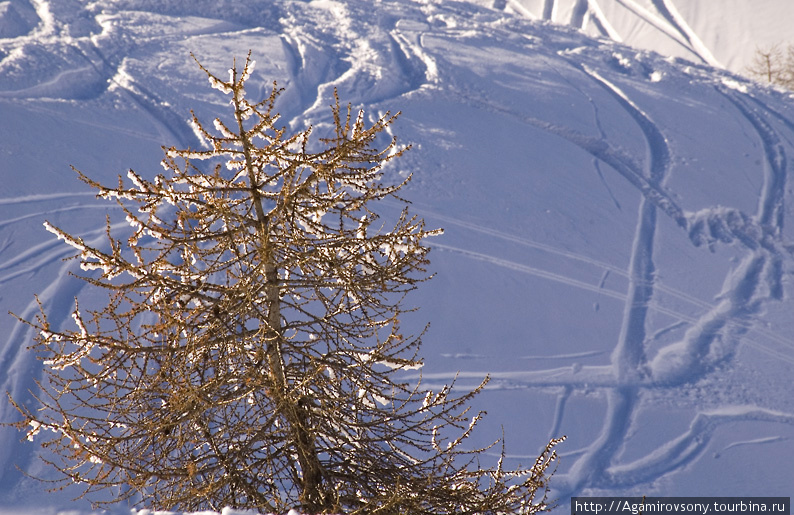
x,y
618,243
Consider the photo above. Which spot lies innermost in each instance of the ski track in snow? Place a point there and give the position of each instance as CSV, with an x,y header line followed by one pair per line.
x,y
46,197
628,357
659,21
629,360
601,22
608,268
757,441
38,216
17,364
667,9
377,63
748,287
662,15
629,354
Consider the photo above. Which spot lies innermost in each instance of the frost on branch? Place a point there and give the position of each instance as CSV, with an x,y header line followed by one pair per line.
x,y
249,351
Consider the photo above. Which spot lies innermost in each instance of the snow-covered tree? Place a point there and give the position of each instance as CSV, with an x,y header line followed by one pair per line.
x,y
250,349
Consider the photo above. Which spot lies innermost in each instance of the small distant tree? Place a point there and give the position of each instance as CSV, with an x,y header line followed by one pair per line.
x,y
248,350
774,66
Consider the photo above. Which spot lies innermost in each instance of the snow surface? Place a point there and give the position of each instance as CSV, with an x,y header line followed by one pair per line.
x,y
618,246
724,33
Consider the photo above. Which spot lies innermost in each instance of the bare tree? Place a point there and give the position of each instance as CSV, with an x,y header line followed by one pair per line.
x,y
774,66
249,348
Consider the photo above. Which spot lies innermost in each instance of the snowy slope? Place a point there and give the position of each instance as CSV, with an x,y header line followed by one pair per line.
x,y
618,246
724,33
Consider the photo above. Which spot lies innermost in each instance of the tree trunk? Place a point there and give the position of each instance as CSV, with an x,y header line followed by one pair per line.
x,y
312,495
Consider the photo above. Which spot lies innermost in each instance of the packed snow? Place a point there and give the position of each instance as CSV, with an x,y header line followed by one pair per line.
x,y
618,243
